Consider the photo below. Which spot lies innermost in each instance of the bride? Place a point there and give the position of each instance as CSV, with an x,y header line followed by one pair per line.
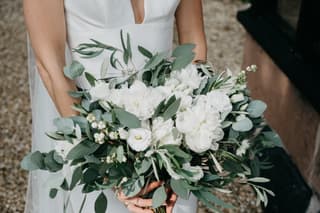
x,y
55,27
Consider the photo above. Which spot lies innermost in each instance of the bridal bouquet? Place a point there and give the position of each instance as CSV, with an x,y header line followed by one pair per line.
x,y
187,125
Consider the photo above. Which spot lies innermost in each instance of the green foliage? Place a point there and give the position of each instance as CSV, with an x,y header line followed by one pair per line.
x,y
101,203
159,197
127,119
82,149
74,70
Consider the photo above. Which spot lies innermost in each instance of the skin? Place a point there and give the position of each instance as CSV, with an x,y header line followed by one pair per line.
x,y
45,20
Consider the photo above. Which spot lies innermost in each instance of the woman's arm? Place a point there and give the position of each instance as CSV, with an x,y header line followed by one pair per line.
x,y
45,22
189,20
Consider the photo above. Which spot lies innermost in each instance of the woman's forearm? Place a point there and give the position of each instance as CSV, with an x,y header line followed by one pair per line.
x,y
45,22
190,27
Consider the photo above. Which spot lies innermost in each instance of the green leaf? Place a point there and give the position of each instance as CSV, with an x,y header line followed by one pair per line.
x,y
242,125
145,52
76,176
101,203
90,78
53,193
64,125
155,60
133,186
81,121
209,196
172,109
176,151
82,149
274,137
178,186
51,164
159,197
55,136
127,119
181,62
182,50
33,161
76,94
256,108
120,153
90,175
74,70
143,166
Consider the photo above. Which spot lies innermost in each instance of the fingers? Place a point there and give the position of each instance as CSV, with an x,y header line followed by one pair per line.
x,y
150,187
140,202
171,202
134,209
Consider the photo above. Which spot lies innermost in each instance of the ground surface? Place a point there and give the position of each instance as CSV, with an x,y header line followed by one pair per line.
x,y
224,37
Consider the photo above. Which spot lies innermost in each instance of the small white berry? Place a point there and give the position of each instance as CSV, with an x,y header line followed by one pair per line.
x,y
101,125
94,125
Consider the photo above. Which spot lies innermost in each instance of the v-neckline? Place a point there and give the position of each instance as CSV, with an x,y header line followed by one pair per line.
x,y
134,14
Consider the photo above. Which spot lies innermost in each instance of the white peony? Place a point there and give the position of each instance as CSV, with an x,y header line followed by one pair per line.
x,y
100,91
141,100
219,101
164,132
184,80
139,139
201,125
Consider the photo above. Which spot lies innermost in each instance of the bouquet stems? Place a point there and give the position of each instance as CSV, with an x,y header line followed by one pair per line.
x,y
161,209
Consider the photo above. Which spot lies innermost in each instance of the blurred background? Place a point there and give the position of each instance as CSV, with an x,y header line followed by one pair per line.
x,y
235,39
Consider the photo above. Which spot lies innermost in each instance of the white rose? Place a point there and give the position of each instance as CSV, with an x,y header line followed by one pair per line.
x,y
100,91
139,139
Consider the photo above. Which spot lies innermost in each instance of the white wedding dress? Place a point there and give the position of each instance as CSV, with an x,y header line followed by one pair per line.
x,y
101,20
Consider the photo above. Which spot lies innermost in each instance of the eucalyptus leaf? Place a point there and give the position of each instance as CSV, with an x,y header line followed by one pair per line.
x,y
242,125
74,70
143,166
178,186
33,161
159,197
82,149
53,193
182,50
256,108
64,125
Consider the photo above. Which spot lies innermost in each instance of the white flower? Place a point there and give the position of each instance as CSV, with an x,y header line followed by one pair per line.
x,y
201,126
123,134
185,80
199,141
219,101
164,132
94,125
243,148
91,117
139,139
141,100
99,137
100,91
113,135
101,125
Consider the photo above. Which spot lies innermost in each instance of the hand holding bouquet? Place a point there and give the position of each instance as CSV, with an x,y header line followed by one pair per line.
x,y
185,126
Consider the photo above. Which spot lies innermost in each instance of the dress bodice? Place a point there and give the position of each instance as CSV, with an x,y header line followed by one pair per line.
x,y
103,19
